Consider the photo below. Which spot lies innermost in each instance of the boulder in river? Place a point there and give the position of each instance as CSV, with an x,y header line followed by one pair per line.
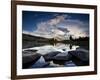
x,y
28,58
62,56
50,55
80,57
40,63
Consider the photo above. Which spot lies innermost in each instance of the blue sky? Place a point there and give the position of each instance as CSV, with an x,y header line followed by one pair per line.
x,y
76,24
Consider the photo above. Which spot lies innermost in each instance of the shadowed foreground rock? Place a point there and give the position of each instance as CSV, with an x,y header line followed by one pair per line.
x,y
40,63
80,57
29,58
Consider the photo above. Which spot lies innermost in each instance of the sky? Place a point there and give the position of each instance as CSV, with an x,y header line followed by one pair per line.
x,y
49,23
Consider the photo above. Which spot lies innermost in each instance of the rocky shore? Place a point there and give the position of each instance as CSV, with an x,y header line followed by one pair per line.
x,y
32,59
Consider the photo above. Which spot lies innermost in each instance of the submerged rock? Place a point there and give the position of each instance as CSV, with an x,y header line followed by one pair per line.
x,y
53,64
40,63
69,64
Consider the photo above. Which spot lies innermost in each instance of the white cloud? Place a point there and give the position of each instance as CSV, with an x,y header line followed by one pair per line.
x,y
49,28
58,19
57,25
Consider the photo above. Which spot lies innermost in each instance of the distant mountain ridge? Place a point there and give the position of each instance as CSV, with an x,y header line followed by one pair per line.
x,y
35,34
30,40
45,36
31,37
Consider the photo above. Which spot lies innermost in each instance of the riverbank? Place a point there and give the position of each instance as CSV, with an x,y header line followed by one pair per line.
x,y
52,57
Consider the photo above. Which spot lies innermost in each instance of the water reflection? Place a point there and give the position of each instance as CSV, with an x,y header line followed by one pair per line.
x,y
66,47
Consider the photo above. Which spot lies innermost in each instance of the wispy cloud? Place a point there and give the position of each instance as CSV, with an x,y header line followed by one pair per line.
x,y
76,27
